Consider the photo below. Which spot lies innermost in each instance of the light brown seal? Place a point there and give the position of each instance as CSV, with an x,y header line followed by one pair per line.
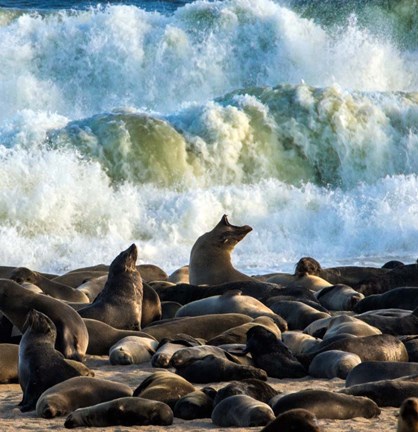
x,y
120,302
408,416
210,257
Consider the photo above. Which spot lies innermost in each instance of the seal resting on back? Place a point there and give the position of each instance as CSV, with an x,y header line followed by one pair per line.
x,y
210,257
120,302
40,365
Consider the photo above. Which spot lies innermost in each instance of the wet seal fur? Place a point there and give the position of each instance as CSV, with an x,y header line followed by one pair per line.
x,y
127,411
78,392
326,404
210,257
40,365
119,304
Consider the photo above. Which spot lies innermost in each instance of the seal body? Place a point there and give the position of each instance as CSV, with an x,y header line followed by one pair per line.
x,y
210,257
297,419
119,304
9,355
333,364
128,411
408,416
132,350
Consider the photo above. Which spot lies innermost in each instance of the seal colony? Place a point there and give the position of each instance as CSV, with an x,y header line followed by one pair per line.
x,y
87,354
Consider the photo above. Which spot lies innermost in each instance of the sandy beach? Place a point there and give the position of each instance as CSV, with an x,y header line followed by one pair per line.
x,y
11,419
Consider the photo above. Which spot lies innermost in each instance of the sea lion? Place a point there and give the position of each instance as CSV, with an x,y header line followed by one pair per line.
x,y
169,309
378,371
78,392
102,336
168,346
255,388
339,297
299,342
128,411
215,369
348,325
238,335
408,416
49,286
298,315
40,365
230,302
151,306
204,326
241,411
333,364
350,275
411,345
368,348
164,386
210,257
9,355
393,325
399,298
181,275
294,420
272,355
195,405
132,350
326,404
72,336
76,278
120,302
386,393
93,287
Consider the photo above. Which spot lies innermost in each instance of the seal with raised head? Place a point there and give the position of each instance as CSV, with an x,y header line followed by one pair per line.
x,y
326,404
294,420
241,411
164,386
127,411
272,355
40,365
210,257
78,392
16,302
120,302
408,416
231,302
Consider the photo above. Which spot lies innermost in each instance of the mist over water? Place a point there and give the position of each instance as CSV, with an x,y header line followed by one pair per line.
x,y
121,124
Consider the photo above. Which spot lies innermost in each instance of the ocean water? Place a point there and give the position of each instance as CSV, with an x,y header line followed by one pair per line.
x,y
146,121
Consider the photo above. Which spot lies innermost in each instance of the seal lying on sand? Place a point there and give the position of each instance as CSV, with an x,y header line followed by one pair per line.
x,y
120,302
78,392
128,411
294,420
40,365
210,257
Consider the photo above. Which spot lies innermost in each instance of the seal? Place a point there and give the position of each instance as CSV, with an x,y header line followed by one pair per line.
x,y
298,315
272,355
339,297
297,419
299,342
128,411
151,306
399,298
120,302
93,287
164,386
132,350
369,348
378,371
38,357
333,364
49,286
195,405
203,326
241,411
231,302
215,369
393,325
348,325
386,393
253,387
238,335
411,345
78,392
181,275
169,309
9,354
326,404
210,257
101,336
408,416
72,336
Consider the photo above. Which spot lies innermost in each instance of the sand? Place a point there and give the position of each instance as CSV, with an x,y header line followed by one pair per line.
x,y
11,419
